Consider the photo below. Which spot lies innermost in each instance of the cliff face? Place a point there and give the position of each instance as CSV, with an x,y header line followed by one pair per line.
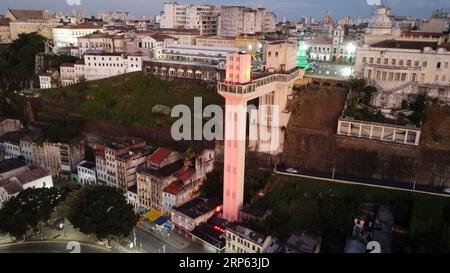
x,y
313,144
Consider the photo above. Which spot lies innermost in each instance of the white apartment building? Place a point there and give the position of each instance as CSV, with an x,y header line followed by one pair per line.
x,y
45,81
401,68
237,20
64,36
86,173
335,49
49,80
31,178
244,240
174,15
105,65
98,66
102,43
188,16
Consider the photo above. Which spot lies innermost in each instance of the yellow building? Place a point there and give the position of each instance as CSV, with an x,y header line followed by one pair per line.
x,y
5,33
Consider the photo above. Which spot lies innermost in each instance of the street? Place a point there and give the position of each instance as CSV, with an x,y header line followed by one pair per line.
x,y
148,242
50,247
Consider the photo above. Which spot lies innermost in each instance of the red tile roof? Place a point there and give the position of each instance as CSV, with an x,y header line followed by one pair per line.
x,y
174,187
159,155
184,174
32,175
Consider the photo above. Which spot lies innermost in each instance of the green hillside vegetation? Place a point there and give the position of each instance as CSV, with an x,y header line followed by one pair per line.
x,y
329,209
126,100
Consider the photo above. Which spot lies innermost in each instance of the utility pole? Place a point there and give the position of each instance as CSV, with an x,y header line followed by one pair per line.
x,y
414,186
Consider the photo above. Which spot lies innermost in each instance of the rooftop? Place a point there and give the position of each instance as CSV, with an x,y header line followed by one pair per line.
x,y
418,45
87,165
136,152
32,175
304,242
164,171
185,174
175,187
11,164
207,233
86,25
247,233
11,186
21,14
159,155
13,137
4,21
199,206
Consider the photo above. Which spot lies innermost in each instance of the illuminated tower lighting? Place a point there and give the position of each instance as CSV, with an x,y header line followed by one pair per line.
x,y
302,60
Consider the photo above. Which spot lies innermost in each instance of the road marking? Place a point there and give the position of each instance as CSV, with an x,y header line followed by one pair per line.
x,y
160,237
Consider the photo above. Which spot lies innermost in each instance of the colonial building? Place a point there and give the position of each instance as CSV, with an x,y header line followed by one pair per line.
x,y
128,163
107,163
335,49
28,21
401,69
153,178
5,31
31,178
64,36
86,173
191,62
193,213
241,239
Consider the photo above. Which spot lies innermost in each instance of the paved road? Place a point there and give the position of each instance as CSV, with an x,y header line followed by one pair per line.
x,y
150,243
426,189
49,247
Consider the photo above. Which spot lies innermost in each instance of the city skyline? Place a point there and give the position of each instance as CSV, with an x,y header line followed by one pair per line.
x,y
284,9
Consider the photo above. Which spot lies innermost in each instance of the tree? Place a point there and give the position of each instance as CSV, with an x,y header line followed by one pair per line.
x,y
99,210
27,210
17,61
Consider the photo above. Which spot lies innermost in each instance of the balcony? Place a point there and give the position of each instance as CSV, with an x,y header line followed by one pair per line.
x,y
393,67
251,87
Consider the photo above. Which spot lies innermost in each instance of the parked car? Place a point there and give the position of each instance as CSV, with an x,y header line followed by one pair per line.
x,y
447,190
292,170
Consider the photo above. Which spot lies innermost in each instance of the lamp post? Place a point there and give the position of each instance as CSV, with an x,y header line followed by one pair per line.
x,y
351,49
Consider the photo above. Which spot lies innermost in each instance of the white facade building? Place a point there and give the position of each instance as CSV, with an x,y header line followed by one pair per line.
x,y
32,178
237,20
64,36
401,68
100,66
244,240
86,173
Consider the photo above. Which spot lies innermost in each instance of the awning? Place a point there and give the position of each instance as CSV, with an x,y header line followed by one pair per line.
x,y
161,221
152,215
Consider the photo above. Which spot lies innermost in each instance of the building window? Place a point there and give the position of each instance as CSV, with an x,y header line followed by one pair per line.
x,y
438,66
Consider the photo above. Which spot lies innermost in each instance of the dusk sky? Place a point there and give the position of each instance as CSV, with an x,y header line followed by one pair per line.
x,y
291,9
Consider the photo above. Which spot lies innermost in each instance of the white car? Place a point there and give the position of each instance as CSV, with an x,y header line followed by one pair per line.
x,y
447,190
291,170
